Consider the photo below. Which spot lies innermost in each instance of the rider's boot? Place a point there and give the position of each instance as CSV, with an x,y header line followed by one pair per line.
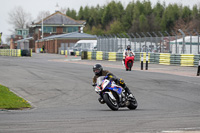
x,y
122,84
130,95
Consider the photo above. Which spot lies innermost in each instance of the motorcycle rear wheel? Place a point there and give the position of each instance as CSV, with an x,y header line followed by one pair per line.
x,y
113,105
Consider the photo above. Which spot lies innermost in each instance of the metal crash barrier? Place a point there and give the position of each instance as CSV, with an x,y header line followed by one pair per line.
x,y
15,52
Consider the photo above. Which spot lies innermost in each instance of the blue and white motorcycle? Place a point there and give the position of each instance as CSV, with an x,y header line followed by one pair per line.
x,y
113,95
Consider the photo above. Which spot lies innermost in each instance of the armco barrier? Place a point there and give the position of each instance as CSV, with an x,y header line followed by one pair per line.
x,y
137,57
62,52
119,56
152,58
196,60
94,55
112,56
164,58
158,58
84,55
187,60
89,55
10,52
99,55
65,52
77,53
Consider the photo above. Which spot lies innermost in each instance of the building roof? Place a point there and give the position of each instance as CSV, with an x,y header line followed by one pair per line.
x,y
24,40
59,18
72,35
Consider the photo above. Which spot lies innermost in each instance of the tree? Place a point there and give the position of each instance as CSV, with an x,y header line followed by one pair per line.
x,y
143,24
81,14
97,30
186,13
171,14
116,27
158,11
195,12
71,13
128,16
19,18
113,12
42,14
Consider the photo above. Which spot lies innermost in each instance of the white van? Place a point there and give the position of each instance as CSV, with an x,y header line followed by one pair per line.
x,y
85,45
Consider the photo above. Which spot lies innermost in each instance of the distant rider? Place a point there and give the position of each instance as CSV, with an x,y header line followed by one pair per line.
x,y
98,71
127,51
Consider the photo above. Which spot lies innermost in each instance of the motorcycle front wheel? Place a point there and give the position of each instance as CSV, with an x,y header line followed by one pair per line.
x,y
133,104
113,105
129,65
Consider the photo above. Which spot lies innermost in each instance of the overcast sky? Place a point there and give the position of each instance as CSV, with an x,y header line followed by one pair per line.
x,y
35,6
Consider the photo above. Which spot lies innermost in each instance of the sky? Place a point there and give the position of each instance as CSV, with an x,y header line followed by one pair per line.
x,y
35,6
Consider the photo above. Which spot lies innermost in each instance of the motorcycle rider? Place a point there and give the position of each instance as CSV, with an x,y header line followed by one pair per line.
x,y
127,51
98,71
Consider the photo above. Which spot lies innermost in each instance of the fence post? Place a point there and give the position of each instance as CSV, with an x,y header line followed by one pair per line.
x,y
140,39
176,42
190,40
134,41
145,41
169,41
183,45
120,42
151,40
161,40
125,40
156,39
198,40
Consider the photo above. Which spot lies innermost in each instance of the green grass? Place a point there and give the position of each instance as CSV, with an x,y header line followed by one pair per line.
x,y
9,100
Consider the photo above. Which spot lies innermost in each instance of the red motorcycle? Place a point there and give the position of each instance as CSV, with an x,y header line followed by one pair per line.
x,y
129,60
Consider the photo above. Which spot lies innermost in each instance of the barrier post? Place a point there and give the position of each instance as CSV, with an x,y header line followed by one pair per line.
x,y
147,59
142,62
198,70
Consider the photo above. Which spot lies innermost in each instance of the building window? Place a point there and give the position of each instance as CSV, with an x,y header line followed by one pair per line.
x,y
54,29
65,29
24,32
19,32
70,29
48,29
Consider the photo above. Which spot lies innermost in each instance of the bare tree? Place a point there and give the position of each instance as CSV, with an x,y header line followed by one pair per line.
x,y
63,10
42,14
19,18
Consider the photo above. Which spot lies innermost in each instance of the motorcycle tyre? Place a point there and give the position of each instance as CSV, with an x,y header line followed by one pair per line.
x,y
133,105
129,65
109,102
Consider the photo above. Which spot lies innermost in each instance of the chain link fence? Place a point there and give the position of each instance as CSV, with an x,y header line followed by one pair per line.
x,y
184,43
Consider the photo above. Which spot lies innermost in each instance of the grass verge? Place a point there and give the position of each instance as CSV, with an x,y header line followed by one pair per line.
x,y
9,100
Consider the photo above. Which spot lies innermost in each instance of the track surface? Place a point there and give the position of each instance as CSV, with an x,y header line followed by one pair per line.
x,y
60,91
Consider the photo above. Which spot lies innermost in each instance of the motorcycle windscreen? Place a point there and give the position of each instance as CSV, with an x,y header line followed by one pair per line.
x,y
100,80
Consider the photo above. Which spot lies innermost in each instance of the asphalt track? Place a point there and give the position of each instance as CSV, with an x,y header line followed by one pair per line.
x,y
59,89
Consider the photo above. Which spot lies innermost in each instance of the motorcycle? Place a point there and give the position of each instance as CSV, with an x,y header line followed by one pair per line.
x,y
129,59
113,95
